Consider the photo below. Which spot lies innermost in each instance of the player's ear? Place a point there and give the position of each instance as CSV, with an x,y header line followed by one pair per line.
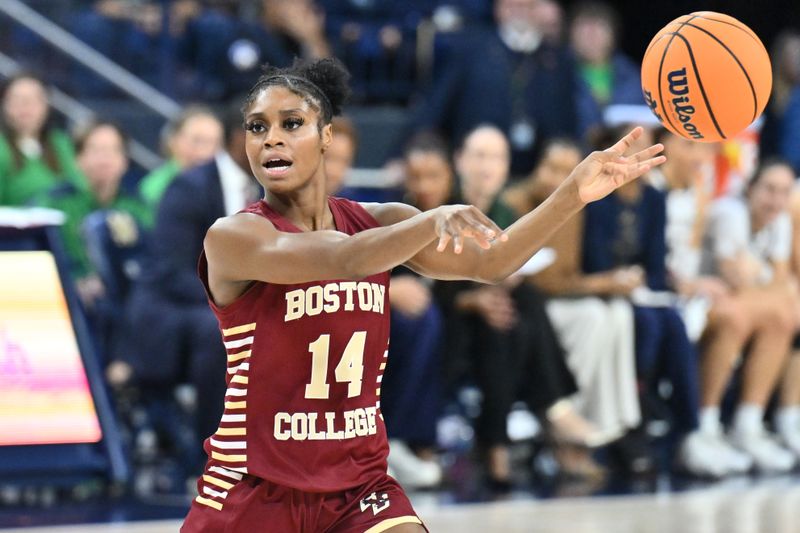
x,y
327,136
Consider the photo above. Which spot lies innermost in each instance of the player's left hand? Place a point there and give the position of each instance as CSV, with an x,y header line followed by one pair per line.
x,y
601,173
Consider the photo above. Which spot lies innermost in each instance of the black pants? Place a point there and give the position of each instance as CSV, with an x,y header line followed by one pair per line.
x,y
526,363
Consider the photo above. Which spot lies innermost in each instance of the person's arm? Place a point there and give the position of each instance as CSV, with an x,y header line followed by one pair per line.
x,y
594,178
246,247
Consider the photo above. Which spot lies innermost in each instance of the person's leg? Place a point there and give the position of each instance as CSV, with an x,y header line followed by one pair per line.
x,y
679,360
620,375
207,365
410,397
410,387
787,417
729,326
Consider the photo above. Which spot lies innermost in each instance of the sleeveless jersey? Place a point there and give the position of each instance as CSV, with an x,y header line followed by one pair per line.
x,y
305,364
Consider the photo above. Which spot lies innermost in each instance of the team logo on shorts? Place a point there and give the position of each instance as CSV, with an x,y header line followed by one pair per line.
x,y
378,502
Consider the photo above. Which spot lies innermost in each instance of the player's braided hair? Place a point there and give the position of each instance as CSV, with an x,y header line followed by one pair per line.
x,y
323,83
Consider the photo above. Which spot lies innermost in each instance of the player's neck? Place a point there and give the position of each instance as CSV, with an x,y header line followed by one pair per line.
x,y
307,208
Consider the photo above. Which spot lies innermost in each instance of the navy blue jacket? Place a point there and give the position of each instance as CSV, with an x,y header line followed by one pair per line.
x,y
190,205
602,229
475,88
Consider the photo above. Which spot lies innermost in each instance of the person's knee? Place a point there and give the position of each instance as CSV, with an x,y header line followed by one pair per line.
x,y
732,317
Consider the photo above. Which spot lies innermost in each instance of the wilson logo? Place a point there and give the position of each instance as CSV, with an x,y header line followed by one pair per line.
x,y
679,88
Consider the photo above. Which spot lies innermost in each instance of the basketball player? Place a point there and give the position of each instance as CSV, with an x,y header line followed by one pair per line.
x,y
299,281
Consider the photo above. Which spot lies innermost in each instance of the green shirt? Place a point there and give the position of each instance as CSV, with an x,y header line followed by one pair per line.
x,y
600,80
77,204
152,188
19,185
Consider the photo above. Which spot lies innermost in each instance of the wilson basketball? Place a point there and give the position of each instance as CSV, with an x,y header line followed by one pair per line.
x,y
706,76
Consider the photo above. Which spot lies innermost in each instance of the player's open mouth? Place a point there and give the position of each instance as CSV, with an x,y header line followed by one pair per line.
x,y
277,166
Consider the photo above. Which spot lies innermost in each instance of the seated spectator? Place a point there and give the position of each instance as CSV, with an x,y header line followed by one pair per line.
x,y
503,334
299,25
748,245
102,156
191,138
590,313
34,155
340,155
510,78
182,343
624,235
410,394
220,53
781,123
607,76
787,418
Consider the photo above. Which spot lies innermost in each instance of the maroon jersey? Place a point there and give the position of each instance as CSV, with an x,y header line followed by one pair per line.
x,y
305,363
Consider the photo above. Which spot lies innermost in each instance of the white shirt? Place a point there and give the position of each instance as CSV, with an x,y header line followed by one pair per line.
x,y
729,234
238,189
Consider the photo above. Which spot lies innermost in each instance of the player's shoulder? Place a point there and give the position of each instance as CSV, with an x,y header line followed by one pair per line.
x,y
390,212
243,226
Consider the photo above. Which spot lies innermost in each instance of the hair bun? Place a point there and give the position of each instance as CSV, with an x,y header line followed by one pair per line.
x,y
330,75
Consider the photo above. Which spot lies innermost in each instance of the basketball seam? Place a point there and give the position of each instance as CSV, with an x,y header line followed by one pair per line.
x,y
661,69
652,45
746,75
748,33
700,84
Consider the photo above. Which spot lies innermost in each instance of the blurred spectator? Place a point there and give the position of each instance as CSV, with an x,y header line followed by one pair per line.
x,y
221,54
624,235
340,155
550,19
377,40
748,246
182,343
34,155
102,157
706,304
787,419
429,176
299,25
608,76
410,394
502,333
594,324
510,78
781,130
191,138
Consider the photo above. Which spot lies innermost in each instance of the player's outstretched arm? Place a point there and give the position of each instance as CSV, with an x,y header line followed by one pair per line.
x,y
595,177
246,247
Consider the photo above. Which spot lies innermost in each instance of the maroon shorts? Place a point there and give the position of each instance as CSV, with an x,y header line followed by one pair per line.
x,y
250,505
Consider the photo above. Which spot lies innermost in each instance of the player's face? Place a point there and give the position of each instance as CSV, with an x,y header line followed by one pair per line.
x,y
283,141
103,160
770,196
483,163
25,107
198,140
428,179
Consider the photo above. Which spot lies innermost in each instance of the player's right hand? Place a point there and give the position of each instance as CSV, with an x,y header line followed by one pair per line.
x,y
460,222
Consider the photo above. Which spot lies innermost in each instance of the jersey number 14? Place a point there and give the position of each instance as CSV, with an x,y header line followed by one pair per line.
x,y
350,369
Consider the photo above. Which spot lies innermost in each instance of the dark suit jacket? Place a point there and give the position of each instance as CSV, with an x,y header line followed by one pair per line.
x,y
190,205
477,85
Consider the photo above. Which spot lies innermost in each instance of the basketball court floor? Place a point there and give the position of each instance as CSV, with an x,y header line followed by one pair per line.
x,y
735,506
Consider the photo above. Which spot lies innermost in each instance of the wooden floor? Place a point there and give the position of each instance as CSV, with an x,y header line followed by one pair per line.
x,y
771,506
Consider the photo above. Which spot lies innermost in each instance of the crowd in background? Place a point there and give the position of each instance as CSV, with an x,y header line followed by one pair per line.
x,y
667,312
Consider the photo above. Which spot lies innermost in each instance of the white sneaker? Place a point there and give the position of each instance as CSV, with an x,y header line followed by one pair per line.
x,y
699,455
411,471
768,455
788,428
738,462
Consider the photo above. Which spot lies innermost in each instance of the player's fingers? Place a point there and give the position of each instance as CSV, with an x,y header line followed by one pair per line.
x,y
622,145
458,243
480,220
647,153
444,239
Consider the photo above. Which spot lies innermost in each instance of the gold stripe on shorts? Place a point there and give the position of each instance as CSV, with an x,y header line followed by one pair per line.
x,y
391,522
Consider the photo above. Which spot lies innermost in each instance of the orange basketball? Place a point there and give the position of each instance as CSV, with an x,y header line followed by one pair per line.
x,y
706,76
